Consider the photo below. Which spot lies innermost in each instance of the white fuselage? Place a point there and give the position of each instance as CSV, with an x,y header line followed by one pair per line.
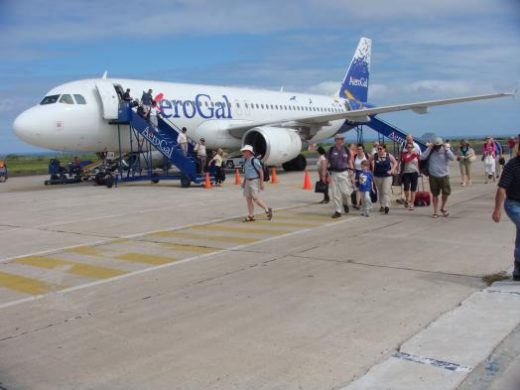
x,y
206,111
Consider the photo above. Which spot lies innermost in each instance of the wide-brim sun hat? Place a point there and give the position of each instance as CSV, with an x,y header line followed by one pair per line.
x,y
339,136
247,148
437,141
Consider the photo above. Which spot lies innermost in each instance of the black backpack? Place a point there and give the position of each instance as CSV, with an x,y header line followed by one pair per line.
x,y
423,166
264,168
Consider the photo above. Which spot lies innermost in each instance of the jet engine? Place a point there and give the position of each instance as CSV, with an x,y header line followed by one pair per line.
x,y
276,145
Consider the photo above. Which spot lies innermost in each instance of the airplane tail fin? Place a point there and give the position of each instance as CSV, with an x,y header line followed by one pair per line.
x,y
355,83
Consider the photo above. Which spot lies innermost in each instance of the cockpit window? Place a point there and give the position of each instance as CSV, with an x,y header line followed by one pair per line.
x,y
80,99
50,99
66,99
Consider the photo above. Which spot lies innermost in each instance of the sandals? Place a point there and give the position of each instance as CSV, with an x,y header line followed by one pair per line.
x,y
445,213
435,216
248,219
269,213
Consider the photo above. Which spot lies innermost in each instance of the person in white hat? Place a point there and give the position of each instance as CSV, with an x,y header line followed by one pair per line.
x,y
439,155
340,162
253,183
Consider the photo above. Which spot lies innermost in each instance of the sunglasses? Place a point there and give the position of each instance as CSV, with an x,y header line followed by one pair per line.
x,y
380,149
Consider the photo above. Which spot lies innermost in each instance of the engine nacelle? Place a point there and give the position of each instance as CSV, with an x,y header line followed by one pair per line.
x,y
276,145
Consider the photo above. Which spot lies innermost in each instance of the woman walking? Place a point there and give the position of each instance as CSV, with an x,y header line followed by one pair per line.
x,y
323,173
465,156
383,165
410,174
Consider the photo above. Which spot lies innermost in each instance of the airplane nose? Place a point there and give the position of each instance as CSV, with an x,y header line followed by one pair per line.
x,y
25,127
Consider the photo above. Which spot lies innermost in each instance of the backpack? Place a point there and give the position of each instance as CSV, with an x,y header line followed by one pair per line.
x,y
423,166
264,168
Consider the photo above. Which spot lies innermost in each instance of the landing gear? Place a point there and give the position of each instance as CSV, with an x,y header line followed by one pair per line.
x,y
185,181
296,164
109,181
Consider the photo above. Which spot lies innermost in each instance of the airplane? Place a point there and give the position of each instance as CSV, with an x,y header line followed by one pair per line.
x,y
80,115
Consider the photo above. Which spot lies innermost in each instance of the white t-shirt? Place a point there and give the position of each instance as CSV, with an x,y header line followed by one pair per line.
x,y
358,161
201,150
182,139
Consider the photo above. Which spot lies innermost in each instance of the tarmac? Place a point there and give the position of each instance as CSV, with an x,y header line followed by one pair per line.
x,y
163,287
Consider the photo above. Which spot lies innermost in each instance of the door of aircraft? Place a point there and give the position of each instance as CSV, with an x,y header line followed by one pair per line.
x,y
109,99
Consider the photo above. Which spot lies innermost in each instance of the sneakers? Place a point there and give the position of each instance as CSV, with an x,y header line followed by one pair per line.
x,y
345,207
269,213
336,215
387,209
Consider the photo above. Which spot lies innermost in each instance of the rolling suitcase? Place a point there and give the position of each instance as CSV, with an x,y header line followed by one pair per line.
x,y
422,198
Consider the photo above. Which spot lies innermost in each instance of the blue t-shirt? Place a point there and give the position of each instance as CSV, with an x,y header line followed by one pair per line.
x,y
365,181
249,171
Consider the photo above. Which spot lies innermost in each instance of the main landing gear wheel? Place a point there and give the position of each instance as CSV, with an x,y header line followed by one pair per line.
x,y
299,163
109,181
155,178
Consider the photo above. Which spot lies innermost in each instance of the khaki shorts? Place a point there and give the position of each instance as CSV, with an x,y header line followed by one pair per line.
x,y
251,188
438,184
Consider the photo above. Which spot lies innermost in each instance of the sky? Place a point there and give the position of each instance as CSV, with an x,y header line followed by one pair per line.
x,y
421,50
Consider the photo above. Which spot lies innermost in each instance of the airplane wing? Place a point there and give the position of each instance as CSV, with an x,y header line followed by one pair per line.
x,y
359,115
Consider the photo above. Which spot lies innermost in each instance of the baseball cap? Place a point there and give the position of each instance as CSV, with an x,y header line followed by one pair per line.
x,y
339,136
248,148
437,141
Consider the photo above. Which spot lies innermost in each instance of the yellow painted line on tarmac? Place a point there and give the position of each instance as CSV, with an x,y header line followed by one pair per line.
x,y
144,258
247,228
176,234
90,271
293,225
25,285
85,250
189,248
304,217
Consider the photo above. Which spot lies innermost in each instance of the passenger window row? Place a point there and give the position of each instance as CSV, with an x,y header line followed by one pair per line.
x,y
267,106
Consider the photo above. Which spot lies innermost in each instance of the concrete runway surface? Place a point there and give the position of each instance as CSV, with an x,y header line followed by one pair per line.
x,y
158,287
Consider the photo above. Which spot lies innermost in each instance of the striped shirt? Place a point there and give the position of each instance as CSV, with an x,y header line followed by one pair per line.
x,y
510,179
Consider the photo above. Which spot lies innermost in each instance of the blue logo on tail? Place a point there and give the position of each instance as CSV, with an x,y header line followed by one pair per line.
x,y
355,83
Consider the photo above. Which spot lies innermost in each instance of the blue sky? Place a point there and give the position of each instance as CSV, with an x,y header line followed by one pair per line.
x,y
421,49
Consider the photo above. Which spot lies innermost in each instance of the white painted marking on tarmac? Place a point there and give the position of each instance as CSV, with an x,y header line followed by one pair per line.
x,y
432,362
151,269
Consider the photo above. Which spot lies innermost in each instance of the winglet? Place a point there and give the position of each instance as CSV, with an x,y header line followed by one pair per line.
x,y
105,75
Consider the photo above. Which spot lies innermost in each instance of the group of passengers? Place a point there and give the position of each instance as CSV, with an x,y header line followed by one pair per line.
x,y
343,168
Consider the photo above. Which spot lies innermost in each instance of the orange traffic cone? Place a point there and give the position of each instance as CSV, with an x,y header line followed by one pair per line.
x,y
307,181
207,183
237,177
274,179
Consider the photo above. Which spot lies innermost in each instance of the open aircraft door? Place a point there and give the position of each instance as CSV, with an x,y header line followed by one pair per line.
x,y
109,99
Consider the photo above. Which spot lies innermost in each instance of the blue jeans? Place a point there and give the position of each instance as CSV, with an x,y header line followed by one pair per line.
x,y
513,211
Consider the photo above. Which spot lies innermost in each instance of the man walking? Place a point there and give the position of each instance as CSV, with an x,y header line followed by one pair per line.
x,y
253,183
182,141
201,153
439,155
342,186
509,189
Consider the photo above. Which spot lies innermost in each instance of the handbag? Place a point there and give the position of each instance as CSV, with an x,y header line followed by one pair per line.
x,y
373,195
320,187
397,179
